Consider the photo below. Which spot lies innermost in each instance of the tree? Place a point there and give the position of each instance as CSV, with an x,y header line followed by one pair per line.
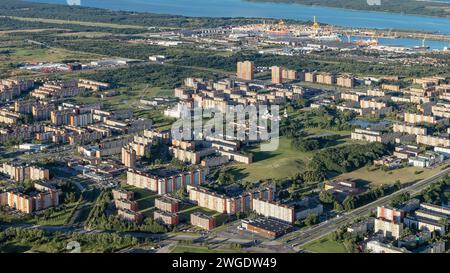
x,y
349,202
406,232
225,178
326,197
337,206
443,222
400,199
311,220
180,193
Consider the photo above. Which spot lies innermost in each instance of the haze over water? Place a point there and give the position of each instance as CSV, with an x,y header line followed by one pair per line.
x,y
241,8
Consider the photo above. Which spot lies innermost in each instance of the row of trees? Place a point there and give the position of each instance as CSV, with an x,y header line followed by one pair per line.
x,y
39,240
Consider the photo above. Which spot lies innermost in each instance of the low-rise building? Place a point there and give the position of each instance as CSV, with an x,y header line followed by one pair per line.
x,y
379,247
267,227
428,159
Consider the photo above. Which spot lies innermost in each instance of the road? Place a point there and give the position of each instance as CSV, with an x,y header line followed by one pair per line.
x,y
304,236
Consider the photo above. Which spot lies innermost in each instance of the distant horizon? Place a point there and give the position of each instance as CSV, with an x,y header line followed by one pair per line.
x,y
241,8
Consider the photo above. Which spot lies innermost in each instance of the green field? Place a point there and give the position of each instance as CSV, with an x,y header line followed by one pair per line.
x,y
325,246
29,54
81,23
281,163
379,177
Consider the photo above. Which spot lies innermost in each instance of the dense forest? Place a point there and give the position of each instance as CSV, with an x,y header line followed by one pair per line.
x,y
346,158
78,13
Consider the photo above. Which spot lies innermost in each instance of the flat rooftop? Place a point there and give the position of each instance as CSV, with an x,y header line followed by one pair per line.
x,y
270,224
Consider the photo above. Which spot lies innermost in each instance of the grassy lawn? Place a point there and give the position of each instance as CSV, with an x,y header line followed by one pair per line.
x,y
57,218
325,246
158,92
281,163
404,175
86,34
37,55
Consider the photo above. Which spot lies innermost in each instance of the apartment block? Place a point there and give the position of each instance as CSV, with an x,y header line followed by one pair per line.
x,y
372,104
325,78
277,74
369,135
346,81
389,229
441,110
11,88
350,96
203,221
9,117
441,141
42,111
228,204
289,74
310,76
24,106
81,120
92,85
274,210
40,198
129,215
60,117
25,132
128,157
58,89
376,93
122,194
125,204
419,118
166,218
21,172
163,184
390,87
390,214
166,203
245,70
429,218
409,129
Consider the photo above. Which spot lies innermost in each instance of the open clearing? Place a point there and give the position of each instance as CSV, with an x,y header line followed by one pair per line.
x,y
404,175
81,23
